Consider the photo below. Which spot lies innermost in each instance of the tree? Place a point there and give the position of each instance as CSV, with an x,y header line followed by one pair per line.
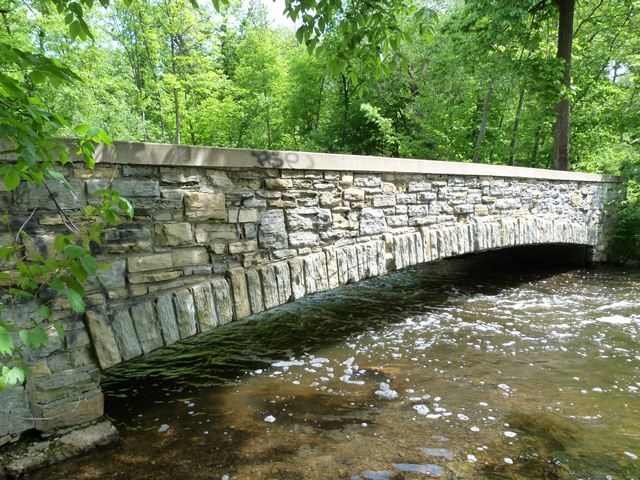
x,y
566,9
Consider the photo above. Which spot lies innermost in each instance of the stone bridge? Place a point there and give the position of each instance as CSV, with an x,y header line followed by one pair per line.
x,y
221,234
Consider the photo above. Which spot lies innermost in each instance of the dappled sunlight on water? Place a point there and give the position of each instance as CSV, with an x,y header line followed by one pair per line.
x,y
464,369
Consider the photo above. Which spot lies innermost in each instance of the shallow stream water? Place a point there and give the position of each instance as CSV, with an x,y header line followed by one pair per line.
x,y
474,368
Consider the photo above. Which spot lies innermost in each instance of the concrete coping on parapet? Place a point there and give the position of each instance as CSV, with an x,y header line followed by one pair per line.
x,y
167,155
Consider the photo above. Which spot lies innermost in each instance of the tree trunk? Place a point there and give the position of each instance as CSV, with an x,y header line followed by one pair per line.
x,y
176,100
516,126
345,112
483,125
561,128
536,148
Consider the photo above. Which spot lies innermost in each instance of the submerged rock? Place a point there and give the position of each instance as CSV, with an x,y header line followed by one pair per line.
x,y
430,470
437,452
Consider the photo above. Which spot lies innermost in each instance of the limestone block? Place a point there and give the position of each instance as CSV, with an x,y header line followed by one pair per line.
x,y
171,234
419,248
223,300
303,239
15,414
215,232
419,186
406,198
146,262
178,176
308,218
395,221
136,278
283,281
353,195
205,205
315,273
104,341
332,267
183,257
352,264
384,201
366,180
125,334
137,187
426,197
381,256
361,261
147,328
433,241
343,267
243,215
240,294
243,247
167,320
372,222
205,308
254,289
114,275
372,257
296,269
278,183
272,232
269,287
185,313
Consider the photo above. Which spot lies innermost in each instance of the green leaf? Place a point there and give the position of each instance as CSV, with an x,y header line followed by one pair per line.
x,y
34,338
74,251
14,375
75,300
6,342
59,329
11,179
89,264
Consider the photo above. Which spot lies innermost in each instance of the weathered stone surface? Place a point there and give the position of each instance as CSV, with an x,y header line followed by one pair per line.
x,y
223,300
243,215
205,308
185,313
215,232
372,222
203,205
172,234
283,281
303,239
269,287
125,334
167,320
104,341
315,273
254,289
296,269
114,275
147,328
183,257
243,247
146,262
272,232
240,294
14,411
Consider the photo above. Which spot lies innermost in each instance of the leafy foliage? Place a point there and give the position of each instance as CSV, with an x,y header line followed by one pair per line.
x,y
34,158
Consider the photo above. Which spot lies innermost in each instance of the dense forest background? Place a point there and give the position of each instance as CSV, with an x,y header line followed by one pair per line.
x,y
466,81
166,71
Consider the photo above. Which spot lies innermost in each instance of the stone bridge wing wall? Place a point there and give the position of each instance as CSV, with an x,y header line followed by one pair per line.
x,y
219,235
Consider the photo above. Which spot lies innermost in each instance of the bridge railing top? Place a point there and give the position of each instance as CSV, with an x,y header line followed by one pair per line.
x,y
155,154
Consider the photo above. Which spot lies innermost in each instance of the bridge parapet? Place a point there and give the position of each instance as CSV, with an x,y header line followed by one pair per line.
x,y
222,234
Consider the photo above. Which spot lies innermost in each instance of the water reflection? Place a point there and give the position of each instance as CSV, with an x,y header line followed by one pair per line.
x,y
464,369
